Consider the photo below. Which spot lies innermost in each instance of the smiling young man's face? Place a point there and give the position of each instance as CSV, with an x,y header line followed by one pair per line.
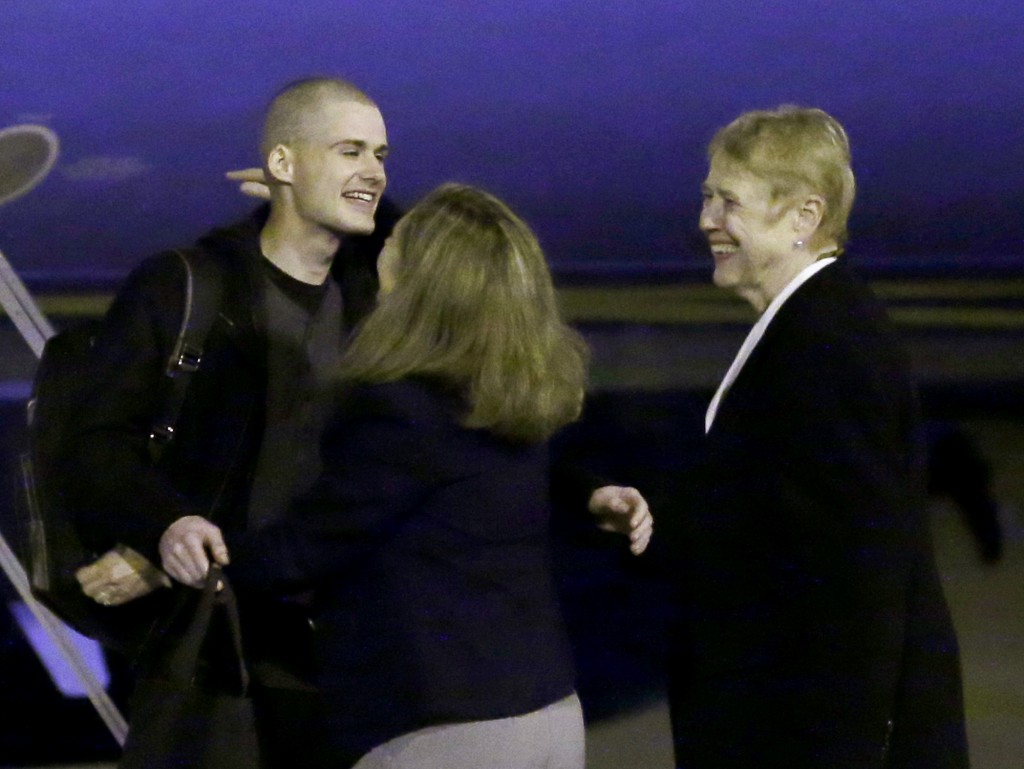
x,y
338,173
751,238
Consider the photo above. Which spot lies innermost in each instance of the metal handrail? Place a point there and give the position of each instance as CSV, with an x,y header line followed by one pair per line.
x,y
35,329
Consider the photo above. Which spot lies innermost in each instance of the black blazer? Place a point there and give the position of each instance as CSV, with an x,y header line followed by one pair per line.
x,y
817,634
428,547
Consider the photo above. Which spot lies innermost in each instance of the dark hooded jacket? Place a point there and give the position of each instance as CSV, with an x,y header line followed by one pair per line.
x,y
207,468
121,495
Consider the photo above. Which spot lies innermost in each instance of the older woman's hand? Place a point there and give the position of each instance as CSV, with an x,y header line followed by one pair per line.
x,y
624,510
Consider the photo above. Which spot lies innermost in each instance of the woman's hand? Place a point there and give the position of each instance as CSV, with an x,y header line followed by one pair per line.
x,y
253,183
623,509
187,546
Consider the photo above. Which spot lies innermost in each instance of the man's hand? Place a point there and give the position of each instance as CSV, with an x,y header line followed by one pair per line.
x,y
253,183
186,548
623,509
119,576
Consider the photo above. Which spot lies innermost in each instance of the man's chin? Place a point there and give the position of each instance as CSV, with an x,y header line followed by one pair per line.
x,y
355,227
366,230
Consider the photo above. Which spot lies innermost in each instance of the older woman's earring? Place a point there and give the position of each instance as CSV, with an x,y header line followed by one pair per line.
x,y
798,244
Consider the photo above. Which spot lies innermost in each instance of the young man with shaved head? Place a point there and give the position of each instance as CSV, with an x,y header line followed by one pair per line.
x,y
296,279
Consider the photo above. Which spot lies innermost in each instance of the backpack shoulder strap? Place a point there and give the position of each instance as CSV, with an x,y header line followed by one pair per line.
x,y
203,297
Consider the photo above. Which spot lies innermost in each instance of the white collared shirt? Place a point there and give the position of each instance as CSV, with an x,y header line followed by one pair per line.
x,y
757,332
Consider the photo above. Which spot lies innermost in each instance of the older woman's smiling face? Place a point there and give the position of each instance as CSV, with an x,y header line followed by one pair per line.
x,y
751,238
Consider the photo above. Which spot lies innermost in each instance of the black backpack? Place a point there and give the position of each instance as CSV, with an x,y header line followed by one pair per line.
x,y
52,548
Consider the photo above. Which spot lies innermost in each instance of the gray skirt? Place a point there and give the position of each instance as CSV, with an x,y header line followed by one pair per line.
x,y
549,738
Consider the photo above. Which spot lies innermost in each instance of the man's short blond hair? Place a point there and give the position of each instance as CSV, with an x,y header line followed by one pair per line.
x,y
289,112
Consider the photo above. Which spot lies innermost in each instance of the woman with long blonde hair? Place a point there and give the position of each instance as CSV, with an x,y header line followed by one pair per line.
x,y
427,537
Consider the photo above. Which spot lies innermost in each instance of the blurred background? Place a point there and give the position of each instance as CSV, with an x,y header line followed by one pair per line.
x,y
590,118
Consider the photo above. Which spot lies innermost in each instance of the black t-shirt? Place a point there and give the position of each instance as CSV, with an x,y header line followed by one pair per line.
x,y
304,341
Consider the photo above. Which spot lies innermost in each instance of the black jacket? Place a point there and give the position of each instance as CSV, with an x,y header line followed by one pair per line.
x,y
207,469
429,547
817,634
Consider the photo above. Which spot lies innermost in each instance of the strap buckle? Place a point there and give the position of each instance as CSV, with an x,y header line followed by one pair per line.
x,y
187,362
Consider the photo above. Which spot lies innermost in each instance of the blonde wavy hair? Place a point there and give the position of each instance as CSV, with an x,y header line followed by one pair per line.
x,y
474,307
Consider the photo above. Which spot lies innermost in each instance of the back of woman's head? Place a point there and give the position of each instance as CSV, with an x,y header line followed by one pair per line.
x,y
473,306
796,150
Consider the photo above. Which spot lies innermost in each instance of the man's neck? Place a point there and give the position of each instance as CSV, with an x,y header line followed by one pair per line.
x,y
300,249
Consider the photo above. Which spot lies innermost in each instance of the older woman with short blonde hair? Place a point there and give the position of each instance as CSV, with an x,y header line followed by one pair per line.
x,y
817,634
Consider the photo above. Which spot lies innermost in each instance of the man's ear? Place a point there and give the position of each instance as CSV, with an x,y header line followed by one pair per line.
x,y
280,165
809,214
